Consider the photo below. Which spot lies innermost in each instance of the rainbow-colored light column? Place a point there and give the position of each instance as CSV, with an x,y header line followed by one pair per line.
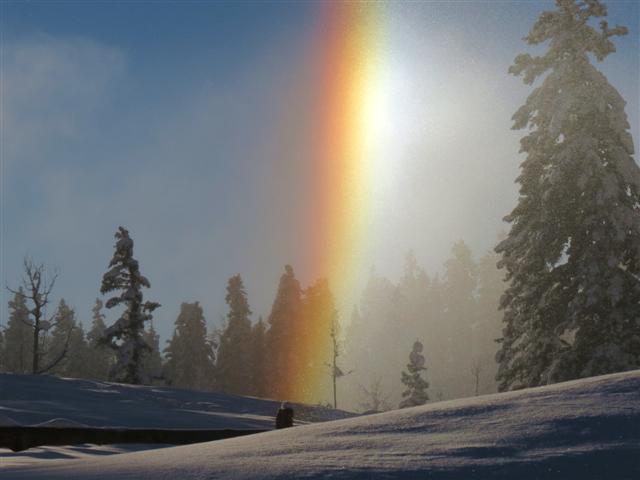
x,y
348,57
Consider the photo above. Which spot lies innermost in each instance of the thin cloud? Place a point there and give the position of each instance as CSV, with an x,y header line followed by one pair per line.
x,y
52,87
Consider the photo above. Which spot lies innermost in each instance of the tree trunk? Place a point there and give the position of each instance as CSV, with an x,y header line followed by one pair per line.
x,y
36,335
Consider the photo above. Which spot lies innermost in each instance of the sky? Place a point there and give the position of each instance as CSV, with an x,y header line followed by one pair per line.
x,y
189,123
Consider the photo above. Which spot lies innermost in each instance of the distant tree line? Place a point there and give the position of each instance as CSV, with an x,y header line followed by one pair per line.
x,y
455,316
241,357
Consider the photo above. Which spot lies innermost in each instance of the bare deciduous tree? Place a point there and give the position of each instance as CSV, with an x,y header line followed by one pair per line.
x,y
476,370
375,397
336,351
36,289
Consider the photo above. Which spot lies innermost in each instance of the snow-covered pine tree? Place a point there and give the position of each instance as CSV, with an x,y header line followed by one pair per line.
x,y
416,392
126,335
285,313
18,350
572,256
189,353
100,357
233,365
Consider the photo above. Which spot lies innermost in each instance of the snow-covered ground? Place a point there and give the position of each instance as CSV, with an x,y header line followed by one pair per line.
x,y
45,399
50,401
586,429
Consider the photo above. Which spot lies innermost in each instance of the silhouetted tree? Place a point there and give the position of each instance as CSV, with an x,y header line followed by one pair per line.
x,y
100,357
285,313
259,359
152,358
233,365
189,353
36,288
18,349
67,342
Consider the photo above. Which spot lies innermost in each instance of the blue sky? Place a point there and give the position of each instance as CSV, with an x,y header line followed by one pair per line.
x,y
160,116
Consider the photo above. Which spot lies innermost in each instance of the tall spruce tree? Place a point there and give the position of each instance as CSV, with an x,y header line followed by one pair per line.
x,y
259,359
77,365
233,366
18,350
126,335
189,353
572,256
416,392
283,318
100,357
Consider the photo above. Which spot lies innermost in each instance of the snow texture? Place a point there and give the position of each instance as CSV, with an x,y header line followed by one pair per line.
x,y
584,429
36,400
60,423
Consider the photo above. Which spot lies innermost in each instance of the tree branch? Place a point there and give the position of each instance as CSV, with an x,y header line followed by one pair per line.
x,y
60,357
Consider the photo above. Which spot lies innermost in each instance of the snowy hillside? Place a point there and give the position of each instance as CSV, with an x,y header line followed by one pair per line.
x,y
585,429
35,400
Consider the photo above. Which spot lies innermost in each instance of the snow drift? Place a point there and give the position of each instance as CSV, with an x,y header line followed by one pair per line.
x,y
586,429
